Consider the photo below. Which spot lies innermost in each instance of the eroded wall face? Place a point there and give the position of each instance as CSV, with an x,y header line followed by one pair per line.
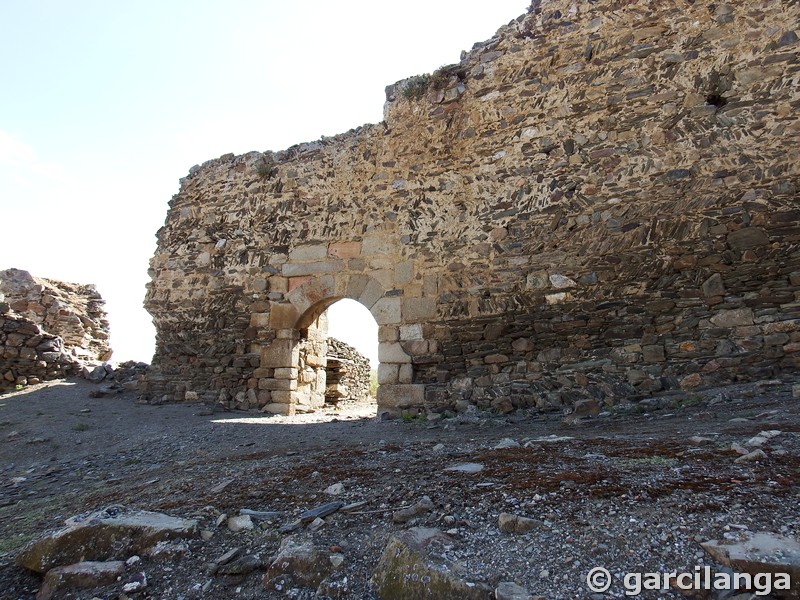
x,y
48,329
599,201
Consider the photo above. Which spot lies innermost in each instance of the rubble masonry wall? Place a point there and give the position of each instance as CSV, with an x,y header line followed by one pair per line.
x,y
599,201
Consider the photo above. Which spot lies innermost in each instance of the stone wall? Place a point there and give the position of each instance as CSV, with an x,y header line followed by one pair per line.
x,y
347,373
601,200
48,329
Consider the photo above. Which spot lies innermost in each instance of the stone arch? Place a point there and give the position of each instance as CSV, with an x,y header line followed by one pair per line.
x,y
286,362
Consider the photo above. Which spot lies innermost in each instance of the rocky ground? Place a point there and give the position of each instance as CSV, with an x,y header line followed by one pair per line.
x,y
541,504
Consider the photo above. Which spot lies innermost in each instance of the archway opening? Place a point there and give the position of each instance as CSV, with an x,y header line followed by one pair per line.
x,y
337,356
355,350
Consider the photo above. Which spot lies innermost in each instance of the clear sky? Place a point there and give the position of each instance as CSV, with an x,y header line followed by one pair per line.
x,y
105,105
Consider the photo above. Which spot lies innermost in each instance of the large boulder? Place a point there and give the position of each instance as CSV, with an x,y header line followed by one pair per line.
x,y
302,562
412,568
109,534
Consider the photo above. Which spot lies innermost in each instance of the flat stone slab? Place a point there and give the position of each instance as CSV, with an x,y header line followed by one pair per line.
x,y
469,468
761,553
109,534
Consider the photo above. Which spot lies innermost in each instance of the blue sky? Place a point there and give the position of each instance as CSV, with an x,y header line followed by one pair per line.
x,y
106,105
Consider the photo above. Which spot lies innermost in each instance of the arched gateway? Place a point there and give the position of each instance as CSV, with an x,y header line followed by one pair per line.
x,y
294,324
599,203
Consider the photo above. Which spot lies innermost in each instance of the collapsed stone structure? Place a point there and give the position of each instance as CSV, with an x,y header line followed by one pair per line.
x,y
48,329
600,201
347,373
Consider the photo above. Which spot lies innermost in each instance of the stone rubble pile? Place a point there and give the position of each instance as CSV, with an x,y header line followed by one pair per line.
x,y
48,329
347,373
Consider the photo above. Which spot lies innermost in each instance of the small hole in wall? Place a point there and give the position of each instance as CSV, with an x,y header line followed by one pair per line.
x,y
716,100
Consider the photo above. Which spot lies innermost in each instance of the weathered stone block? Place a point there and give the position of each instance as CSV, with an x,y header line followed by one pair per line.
x,y
388,373
495,359
277,384
713,286
286,373
280,353
406,373
401,395
373,291
737,317
653,353
279,408
316,252
522,345
313,268
387,311
537,280
418,309
748,237
392,352
410,332
283,316
344,249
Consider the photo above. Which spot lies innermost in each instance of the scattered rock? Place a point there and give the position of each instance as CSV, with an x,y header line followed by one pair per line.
x,y
506,443
136,583
261,515
510,523
588,407
307,564
508,590
104,535
469,468
244,565
321,511
96,374
240,523
412,566
739,449
337,589
335,489
751,456
168,550
699,440
80,575
228,556
406,514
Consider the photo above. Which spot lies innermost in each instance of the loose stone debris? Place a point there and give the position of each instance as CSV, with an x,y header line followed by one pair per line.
x,y
632,492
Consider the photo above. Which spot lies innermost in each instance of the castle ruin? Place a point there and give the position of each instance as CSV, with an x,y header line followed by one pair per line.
x,y
601,201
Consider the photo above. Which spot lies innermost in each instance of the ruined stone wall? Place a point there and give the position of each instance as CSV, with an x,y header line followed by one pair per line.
x,y
601,200
348,373
312,365
48,329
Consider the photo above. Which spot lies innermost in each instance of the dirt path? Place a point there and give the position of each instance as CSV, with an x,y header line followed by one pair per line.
x,y
631,489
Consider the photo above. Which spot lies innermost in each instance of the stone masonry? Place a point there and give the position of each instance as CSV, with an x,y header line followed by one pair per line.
x,y
601,201
347,373
48,329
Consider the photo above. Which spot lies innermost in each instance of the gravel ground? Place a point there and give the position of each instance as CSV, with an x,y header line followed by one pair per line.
x,y
633,490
